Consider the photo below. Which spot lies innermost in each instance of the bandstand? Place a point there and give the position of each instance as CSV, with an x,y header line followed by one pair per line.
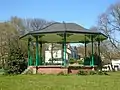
x,y
61,33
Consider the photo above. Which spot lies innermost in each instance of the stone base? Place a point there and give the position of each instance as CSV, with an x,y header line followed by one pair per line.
x,y
51,69
55,69
75,69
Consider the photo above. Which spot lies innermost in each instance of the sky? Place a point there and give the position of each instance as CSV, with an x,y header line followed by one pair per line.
x,y
83,12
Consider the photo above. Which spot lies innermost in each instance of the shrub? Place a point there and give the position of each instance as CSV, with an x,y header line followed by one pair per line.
x,y
82,72
80,61
71,61
16,66
102,73
16,62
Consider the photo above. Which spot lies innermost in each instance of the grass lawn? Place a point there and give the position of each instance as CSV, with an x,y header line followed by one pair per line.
x,y
54,82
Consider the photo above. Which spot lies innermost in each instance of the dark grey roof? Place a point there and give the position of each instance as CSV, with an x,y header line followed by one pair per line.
x,y
64,27
77,33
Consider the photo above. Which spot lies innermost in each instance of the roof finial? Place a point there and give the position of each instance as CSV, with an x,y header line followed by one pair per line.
x,y
65,26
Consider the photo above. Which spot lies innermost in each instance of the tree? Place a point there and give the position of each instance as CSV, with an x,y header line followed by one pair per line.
x,y
109,23
10,46
6,30
13,52
16,62
24,26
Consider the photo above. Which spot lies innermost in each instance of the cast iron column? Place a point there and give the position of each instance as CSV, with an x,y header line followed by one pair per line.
x,y
29,53
64,50
62,53
99,48
37,51
85,47
40,53
92,61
